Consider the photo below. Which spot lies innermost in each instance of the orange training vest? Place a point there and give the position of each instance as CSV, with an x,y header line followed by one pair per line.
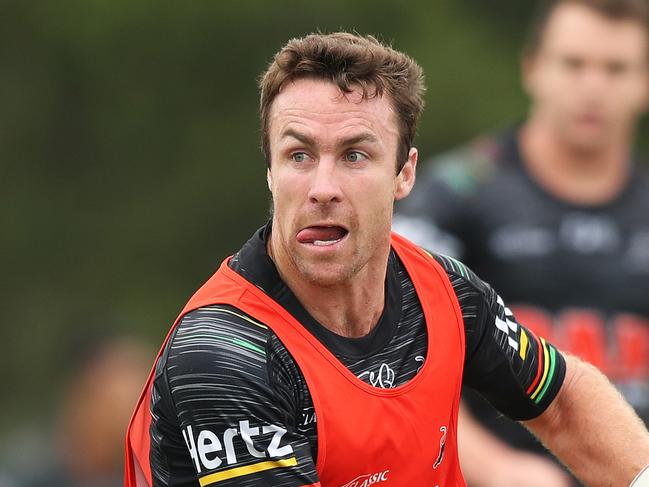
x,y
405,436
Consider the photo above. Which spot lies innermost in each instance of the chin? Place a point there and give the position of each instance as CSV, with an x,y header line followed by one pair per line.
x,y
325,274
591,146
587,143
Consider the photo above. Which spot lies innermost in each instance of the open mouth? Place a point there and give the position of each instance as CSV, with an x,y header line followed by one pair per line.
x,y
322,236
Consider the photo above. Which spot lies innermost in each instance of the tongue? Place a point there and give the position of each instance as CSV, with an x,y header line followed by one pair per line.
x,y
311,234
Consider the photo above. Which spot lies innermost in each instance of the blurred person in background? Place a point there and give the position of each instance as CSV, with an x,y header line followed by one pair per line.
x,y
95,409
554,213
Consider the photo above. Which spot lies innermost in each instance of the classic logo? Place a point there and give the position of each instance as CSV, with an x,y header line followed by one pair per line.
x,y
368,479
204,448
442,445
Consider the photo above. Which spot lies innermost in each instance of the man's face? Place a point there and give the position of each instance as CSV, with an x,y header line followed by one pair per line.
x,y
589,78
333,180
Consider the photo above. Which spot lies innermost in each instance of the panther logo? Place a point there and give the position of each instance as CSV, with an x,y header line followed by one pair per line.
x,y
442,445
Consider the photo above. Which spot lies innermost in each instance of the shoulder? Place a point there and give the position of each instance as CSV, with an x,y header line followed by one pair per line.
x,y
461,276
479,303
224,375
213,336
477,300
211,348
465,167
640,179
439,211
218,355
220,348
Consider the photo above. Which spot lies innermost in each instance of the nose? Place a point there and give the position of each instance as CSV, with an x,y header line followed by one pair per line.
x,y
595,81
325,183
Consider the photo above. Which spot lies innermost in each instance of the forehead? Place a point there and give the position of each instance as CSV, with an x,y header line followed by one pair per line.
x,y
316,105
579,30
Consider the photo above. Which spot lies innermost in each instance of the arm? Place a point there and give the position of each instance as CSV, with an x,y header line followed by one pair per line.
x,y
488,462
592,429
502,363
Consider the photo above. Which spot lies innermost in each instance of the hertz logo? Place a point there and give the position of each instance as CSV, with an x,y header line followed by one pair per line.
x,y
209,451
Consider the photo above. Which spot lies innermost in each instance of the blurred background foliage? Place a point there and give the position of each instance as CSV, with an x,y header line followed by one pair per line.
x,y
129,150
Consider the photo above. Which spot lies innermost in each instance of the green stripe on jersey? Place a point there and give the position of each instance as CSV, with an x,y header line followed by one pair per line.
x,y
248,345
460,266
550,376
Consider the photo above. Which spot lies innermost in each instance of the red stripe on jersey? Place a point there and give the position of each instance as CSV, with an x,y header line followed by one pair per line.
x,y
539,371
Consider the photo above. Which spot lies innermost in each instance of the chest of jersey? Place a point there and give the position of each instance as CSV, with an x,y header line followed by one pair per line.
x,y
579,256
590,269
366,435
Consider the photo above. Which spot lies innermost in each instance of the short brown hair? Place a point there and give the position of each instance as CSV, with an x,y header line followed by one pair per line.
x,y
635,10
349,61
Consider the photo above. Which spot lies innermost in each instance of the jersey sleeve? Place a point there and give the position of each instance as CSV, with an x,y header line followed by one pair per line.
x,y
224,409
516,371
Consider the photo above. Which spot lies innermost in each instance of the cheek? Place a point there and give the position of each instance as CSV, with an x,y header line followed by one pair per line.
x,y
288,196
282,186
557,91
281,202
557,101
632,97
375,201
542,82
554,87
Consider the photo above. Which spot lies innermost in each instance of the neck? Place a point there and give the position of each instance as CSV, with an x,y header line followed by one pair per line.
x,y
576,175
349,308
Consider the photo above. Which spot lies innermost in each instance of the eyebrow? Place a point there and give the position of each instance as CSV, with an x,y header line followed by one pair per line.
x,y
306,140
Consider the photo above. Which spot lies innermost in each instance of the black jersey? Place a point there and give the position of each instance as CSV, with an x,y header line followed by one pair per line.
x,y
226,380
578,275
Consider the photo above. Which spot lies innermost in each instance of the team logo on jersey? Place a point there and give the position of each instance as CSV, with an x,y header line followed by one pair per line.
x,y
420,359
442,446
368,479
383,378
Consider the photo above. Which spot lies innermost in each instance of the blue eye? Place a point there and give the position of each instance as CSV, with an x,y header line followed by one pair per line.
x,y
355,156
299,156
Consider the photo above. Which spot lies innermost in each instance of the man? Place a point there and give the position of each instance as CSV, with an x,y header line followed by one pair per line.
x,y
87,450
555,214
328,351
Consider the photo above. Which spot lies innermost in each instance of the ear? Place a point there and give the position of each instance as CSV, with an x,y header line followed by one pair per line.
x,y
406,177
269,180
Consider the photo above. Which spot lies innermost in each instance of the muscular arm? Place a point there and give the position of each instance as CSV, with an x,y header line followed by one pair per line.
x,y
592,429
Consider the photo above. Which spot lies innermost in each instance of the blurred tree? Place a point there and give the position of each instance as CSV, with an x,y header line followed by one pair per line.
x,y
129,148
